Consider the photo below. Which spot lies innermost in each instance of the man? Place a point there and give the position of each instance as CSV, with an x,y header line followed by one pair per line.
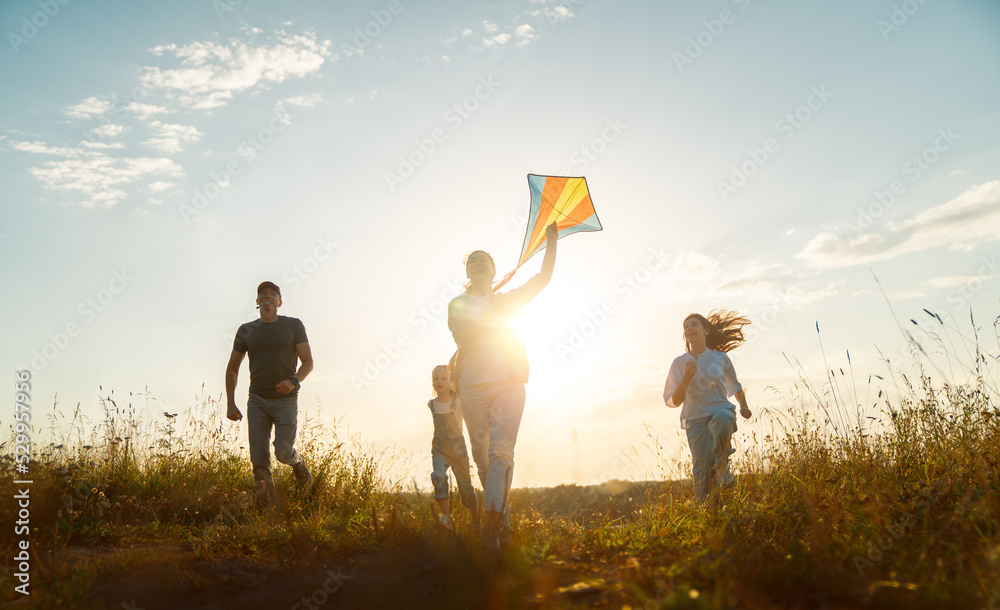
x,y
274,343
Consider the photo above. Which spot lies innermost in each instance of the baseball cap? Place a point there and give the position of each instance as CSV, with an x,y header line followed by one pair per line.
x,y
264,285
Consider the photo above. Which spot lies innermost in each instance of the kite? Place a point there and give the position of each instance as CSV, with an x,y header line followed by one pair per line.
x,y
561,199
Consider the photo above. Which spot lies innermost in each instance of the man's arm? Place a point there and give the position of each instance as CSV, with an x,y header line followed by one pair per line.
x,y
306,360
305,357
232,373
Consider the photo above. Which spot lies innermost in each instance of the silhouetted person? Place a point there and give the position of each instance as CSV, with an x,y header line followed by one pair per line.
x,y
700,381
492,368
275,344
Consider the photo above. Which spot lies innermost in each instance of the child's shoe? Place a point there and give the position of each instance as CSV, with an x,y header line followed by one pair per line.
x,y
447,523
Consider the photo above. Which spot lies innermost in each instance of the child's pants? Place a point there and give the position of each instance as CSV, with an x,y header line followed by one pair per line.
x,y
710,440
459,463
492,414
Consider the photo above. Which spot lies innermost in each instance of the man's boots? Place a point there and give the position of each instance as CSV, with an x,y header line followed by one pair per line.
x,y
303,478
265,486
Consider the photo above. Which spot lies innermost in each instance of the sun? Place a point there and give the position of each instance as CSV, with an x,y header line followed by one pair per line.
x,y
544,326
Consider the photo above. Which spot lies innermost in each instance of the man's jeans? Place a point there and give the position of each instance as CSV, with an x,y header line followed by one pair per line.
x,y
282,413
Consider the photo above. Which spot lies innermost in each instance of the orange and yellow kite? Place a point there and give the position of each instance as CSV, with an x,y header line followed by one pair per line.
x,y
555,198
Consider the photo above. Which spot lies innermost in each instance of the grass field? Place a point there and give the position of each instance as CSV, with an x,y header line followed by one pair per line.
x,y
898,509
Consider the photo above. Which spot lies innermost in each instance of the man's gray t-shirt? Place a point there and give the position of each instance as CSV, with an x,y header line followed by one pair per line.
x,y
272,353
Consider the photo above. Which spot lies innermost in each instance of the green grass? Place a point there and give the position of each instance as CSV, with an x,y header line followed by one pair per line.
x,y
898,509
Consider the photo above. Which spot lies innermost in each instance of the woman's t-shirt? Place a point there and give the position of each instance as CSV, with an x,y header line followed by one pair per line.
x,y
710,388
484,361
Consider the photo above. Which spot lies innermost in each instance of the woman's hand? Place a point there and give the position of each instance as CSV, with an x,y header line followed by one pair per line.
x,y
551,233
745,412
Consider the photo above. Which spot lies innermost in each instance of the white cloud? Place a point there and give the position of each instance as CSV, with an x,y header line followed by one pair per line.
x,y
88,108
102,145
558,13
466,33
159,185
951,280
304,101
490,26
211,72
499,39
144,112
40,148
969,219
525,34
171,138
99,177
108,130
699,278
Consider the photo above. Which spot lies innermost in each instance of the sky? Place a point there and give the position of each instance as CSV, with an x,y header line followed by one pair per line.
x,y
827,166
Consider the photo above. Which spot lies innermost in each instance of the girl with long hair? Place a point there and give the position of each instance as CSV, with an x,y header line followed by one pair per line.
x,y
700,381
491,368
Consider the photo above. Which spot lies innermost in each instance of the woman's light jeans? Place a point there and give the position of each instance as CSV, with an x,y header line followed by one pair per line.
x,y
492,414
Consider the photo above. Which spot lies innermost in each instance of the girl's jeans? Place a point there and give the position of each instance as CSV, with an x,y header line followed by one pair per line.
x,y
459,463
710,440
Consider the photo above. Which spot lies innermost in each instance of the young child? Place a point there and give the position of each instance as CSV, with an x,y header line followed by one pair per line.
x,y
700,381
448,450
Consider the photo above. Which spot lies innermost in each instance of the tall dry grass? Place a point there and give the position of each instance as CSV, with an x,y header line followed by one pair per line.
x,y
885,497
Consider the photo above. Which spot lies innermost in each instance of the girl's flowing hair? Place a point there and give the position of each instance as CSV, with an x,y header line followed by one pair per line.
x,y
725,329
468,285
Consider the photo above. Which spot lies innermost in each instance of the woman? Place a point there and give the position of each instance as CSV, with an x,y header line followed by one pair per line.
x,y
491,368
701,380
